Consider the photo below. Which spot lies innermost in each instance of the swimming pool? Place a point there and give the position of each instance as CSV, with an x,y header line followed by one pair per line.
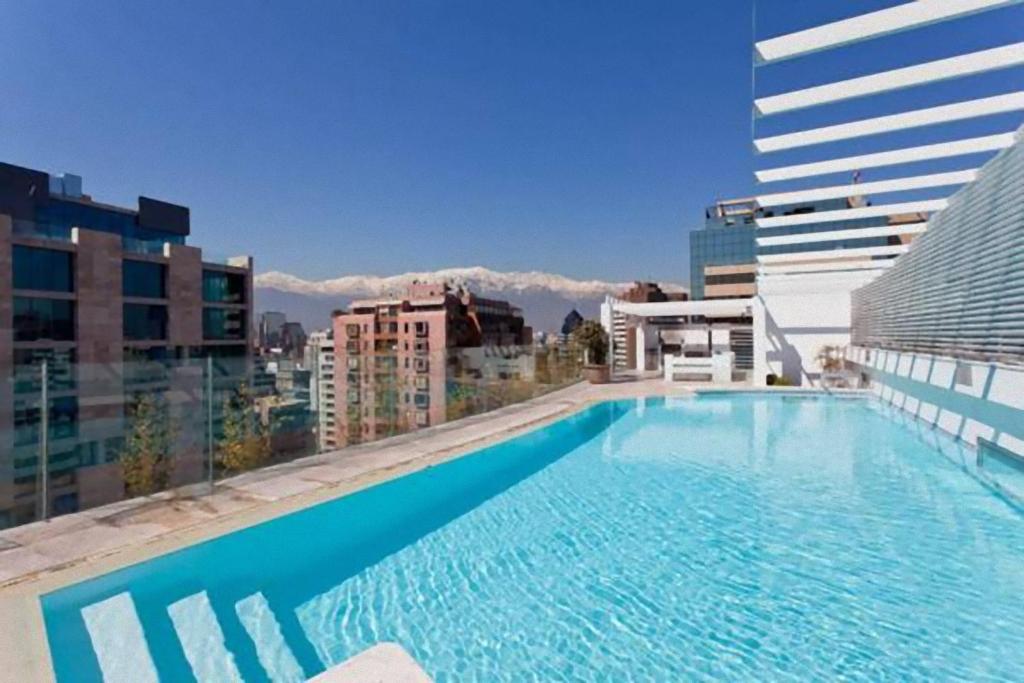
x,y
724,537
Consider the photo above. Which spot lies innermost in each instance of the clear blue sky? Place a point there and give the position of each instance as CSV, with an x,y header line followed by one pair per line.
x,y
335,138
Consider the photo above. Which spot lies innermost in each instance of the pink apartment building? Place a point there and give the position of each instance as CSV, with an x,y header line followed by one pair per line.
x,y
394,357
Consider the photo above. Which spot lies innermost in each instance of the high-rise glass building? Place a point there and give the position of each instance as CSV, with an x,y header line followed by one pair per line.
x,y
725,244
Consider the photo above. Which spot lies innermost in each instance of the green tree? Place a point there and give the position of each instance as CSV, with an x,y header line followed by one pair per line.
x,y
244,442
146,457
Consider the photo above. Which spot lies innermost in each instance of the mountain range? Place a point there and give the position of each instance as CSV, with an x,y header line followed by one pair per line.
x,y
545,298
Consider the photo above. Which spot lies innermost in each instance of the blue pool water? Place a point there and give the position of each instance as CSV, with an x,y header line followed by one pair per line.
x,y
720,538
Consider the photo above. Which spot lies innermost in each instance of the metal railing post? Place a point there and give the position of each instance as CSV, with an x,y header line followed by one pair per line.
x,y
209,420
44,442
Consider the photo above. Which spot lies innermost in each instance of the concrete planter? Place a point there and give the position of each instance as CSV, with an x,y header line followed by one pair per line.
x,y
597,374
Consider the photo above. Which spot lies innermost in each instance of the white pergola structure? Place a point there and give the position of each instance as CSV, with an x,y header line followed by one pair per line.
x,y
717,308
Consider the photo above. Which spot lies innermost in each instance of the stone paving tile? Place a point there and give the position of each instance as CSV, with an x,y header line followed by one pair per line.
x,y
278,487
326,474
174,514
225,502
96,539
20,561
39,531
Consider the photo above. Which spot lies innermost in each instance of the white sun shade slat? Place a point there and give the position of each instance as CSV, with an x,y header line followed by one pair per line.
x,y
863,189
946,113
940,70
852,234
825,266
903,17
924,206
988,143
861,252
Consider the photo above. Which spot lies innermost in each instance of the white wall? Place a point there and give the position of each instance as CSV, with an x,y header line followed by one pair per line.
x,y
795,316
966,399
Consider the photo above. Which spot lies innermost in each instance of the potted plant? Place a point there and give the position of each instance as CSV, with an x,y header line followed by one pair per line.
x,y
830,360
591,338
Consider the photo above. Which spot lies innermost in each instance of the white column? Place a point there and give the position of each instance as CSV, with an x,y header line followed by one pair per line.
x,y
760,334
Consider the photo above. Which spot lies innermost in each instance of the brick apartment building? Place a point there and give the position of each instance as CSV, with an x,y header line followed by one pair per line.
x,y
395,357
117,303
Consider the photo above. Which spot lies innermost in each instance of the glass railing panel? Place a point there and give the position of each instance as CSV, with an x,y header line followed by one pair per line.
x,y
154,423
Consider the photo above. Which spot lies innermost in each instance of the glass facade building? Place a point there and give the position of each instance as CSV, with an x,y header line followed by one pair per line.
x,y
728,238
816,207
105,305
145,322
59,216
223,288
144,279
46,270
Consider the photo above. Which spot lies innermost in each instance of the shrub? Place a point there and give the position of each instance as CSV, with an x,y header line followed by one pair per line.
x,y
146,458
244,443
591,338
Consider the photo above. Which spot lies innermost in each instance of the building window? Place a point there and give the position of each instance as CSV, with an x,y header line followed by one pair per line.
x,y
39,319
60,369
142,366
63,420
223,323
731,279
43,269
145,321
223,288
143,279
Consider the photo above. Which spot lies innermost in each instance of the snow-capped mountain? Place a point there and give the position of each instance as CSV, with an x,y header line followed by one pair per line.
x,y
544,297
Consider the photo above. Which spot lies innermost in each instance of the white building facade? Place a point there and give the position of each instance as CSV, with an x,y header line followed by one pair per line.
x,y
320,354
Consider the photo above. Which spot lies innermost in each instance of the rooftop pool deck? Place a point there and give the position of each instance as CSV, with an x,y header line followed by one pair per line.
x,y
768,517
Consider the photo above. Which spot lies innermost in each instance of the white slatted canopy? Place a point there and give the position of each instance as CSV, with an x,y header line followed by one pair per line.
x,y
860,252
953,148
958,111
884,222
923,206
903,17
721,308
863,189
851,234
825,267
919,74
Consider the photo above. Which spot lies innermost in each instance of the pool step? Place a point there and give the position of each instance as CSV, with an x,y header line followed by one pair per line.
x,y
118,640
275,656
384,662
203,640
